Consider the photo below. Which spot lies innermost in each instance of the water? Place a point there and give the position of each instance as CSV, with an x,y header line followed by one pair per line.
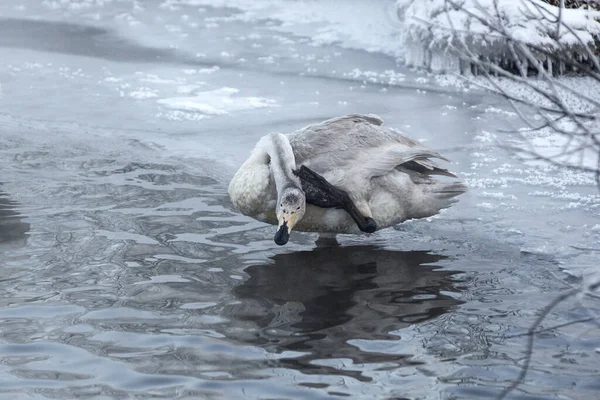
x,y
126,273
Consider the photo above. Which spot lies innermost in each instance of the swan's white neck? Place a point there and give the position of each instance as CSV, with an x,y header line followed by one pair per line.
x,y
282,160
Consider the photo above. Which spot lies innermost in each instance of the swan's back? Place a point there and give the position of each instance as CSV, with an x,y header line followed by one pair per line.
x,y
343,137
359,144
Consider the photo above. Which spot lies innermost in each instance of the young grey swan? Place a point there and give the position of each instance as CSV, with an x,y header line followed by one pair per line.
x,y
344,175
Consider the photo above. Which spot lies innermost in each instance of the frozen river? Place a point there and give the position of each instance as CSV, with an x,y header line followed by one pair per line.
x,y
126,273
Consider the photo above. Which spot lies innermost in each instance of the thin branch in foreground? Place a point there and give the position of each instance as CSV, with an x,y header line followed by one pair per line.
x,y
534,156
531,341
551,328
585,248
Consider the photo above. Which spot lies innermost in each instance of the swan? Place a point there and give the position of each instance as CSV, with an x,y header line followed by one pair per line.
x,y
348,174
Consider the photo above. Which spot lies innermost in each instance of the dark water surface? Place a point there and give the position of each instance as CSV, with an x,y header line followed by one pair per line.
x,y
126,273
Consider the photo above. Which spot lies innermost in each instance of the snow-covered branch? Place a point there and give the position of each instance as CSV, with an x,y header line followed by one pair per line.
x,y
432,29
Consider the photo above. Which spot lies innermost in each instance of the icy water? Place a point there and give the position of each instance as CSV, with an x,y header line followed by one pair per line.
x,y
126,273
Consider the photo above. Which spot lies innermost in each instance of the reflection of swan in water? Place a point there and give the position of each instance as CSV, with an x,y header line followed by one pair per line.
x,y
316,301
12,229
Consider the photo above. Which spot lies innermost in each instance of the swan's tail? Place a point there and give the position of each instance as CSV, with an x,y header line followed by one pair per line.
x,y
443,194
447,190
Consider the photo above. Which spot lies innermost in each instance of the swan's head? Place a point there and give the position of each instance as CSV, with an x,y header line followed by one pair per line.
x,y
290,209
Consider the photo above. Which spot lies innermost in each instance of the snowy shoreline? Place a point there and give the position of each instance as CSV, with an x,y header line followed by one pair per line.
x,y
435,34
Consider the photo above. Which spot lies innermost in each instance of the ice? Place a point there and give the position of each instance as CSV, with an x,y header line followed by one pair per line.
x,y
197,306
164,279
375,31
217,102
143,93
499,195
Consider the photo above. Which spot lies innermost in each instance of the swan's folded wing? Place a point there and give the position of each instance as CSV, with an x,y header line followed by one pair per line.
x,y
359,143
380,161
338,137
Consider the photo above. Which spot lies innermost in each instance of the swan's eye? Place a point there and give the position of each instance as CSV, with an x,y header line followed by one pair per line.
x,y
298,208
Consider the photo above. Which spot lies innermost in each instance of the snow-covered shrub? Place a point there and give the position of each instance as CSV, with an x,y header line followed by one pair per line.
x,y
595,4
437,33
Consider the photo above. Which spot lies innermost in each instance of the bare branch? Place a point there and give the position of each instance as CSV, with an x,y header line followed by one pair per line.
x,y
535,156
503,35
531,340
560,12
551,328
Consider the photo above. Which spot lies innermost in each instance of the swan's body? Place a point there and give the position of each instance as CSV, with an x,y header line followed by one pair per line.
x,y
386,174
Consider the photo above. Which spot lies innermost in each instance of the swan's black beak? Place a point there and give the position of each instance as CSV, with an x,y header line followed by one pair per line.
x,y
283,235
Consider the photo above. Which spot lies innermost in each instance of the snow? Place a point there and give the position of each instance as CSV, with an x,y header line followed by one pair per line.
x,y
578,94
216,102
143,93
430,30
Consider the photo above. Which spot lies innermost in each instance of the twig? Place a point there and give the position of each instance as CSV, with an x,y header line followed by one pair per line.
x,y
531,340
551,328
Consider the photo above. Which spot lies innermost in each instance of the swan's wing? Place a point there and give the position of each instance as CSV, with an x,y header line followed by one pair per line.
x,y
338,139
380,161
426,167
360,142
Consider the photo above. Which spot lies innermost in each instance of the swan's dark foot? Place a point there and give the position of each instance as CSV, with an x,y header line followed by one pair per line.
x,y
321,193
369,225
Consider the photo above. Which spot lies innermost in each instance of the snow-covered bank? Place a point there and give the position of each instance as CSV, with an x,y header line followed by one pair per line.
x,y
434,30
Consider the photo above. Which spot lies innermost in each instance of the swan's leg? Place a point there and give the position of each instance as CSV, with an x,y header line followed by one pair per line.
x,y
364,220
321,193
327,240
363,208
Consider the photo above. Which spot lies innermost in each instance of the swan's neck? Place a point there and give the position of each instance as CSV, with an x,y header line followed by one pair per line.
x,y
281,159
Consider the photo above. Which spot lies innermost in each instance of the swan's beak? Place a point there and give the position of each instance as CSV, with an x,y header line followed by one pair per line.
x,y
286,223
